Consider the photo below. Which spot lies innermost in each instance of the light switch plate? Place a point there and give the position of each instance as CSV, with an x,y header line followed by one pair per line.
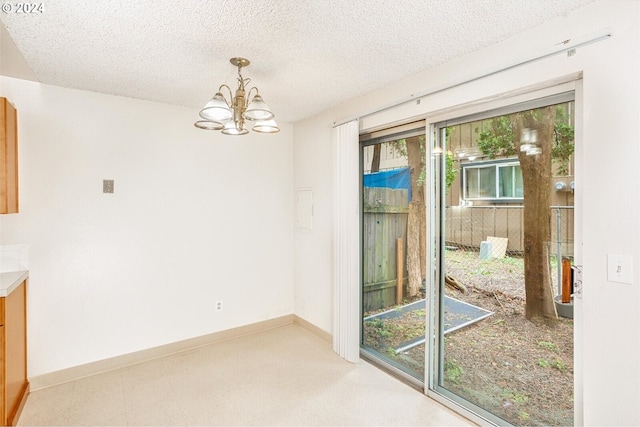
x,y
620,269
107,186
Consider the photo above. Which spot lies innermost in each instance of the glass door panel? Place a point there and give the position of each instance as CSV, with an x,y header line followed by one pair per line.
x,y
393,261
502,256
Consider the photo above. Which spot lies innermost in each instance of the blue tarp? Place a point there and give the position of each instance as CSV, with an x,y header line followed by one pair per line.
x,y
393,178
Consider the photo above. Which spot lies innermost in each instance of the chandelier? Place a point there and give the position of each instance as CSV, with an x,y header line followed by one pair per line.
x,y
230,115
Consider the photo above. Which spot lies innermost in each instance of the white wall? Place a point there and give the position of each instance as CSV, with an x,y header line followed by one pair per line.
x,y
196,217
608,336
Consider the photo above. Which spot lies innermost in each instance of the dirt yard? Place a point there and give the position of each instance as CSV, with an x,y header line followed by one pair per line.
x,y
520,372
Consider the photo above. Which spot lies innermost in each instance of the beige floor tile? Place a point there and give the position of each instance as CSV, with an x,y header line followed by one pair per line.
x,y
142,373
148,392
107,386
284,376
96,406
50,406
116,420
208,411
158,413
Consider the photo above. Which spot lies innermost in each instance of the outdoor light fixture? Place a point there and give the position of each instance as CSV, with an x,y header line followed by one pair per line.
x,y
528,140
466,154
230,115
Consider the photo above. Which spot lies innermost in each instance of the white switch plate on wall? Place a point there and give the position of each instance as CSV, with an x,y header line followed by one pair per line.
x,y
620,269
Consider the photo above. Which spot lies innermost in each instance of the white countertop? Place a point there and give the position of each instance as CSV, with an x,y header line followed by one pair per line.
x,y
10,281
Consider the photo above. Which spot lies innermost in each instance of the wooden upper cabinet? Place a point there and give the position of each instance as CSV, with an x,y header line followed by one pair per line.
x,y
8,157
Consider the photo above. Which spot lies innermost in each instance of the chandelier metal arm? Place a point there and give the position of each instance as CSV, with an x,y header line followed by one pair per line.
x,y
229,103
249,93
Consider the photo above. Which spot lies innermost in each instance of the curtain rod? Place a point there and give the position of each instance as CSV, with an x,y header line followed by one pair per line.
x,y
564,46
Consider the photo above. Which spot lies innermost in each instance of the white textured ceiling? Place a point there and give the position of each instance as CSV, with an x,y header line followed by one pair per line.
x,y
306,55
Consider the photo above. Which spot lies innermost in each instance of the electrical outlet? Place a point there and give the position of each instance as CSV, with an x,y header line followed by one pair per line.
x,y
219,305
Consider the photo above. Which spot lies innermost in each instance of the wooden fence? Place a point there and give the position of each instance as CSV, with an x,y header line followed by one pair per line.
x,y
384,221
385,214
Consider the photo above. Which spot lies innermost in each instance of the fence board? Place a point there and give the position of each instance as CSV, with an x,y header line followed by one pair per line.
x,y
384,219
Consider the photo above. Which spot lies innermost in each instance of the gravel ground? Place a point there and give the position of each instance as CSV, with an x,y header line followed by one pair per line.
x,y
518,371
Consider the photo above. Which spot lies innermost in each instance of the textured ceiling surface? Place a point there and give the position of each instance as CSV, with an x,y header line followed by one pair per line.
x,y
306,55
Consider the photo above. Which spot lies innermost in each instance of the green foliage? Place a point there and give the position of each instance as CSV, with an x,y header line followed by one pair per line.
x,y
559,365
515,397
543,363
400,146
498,139
391,352
482,270
450,171
517,262
453,372
380,327
563,146
548,345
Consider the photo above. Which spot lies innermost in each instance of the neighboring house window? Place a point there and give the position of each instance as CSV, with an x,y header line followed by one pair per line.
x,y
492,181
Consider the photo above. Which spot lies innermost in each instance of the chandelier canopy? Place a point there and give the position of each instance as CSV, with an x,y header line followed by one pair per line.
x,y
230,115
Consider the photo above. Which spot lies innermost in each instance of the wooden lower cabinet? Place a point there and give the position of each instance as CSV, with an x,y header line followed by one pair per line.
x,y
8,158
14,385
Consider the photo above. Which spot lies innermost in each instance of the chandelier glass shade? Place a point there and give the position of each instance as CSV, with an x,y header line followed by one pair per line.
x,y
230,115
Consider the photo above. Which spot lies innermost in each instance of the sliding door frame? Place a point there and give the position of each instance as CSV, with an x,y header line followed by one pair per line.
x,y
566,83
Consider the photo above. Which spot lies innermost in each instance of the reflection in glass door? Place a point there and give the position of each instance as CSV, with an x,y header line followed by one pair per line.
x,y
504,252
393,253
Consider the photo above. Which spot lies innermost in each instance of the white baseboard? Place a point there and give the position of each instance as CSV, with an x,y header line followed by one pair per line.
x,y
326,336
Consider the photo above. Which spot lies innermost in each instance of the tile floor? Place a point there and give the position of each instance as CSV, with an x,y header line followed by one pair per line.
x,y
284,376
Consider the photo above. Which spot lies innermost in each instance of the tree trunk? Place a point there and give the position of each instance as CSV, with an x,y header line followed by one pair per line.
x,y
375,162
416,223
413,250
536,175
